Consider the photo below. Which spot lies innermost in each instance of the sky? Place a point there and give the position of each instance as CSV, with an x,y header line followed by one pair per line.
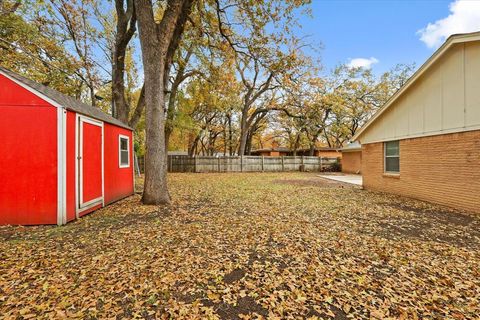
x,y
380,34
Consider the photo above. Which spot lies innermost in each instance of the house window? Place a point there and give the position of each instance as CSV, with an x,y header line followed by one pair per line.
x,y
123,151
392,156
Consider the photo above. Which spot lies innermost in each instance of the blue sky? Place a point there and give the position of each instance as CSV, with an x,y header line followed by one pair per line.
x,y
387,31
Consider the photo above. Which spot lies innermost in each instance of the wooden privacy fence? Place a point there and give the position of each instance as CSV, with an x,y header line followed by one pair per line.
x,y
248,164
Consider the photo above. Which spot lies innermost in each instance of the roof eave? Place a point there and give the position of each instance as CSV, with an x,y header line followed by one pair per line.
x,y
453,39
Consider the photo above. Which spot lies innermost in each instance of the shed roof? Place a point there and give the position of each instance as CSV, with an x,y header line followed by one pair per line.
x,y
63,100
453,39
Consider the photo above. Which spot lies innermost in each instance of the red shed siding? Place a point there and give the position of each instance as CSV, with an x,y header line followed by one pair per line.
x,y
70,188
28,170
118,181
28,165
13,94
444,169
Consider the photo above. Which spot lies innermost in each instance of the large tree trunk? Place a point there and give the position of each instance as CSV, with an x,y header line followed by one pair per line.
x,y
243,134
230,135
158,42
248,145
296,145
155,187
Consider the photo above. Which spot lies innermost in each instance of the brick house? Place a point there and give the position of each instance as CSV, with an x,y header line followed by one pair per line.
x,y
352,158
325,152
271,152
424,142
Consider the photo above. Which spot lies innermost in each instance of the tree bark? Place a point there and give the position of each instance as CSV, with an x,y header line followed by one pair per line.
x,y
137,114
125,29
243,133
297,144
158,42
230,135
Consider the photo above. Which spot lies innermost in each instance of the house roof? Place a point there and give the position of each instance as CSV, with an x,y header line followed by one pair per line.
x,y
322,149
62,100
353,146
285,149
453,39
279,149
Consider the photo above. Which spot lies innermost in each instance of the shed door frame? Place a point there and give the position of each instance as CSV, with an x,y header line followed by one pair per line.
x,y
79,205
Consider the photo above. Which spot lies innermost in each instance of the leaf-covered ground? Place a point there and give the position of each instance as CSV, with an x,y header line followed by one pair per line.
x,y
277,246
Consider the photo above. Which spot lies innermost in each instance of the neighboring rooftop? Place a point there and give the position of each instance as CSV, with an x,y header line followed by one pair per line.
x,y
285,149
65,101
352,146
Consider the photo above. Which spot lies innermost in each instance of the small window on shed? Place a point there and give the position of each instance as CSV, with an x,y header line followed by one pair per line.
x,y
123,151
392,156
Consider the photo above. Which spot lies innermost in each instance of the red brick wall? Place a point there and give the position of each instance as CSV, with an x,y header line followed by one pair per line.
x,y
443,169
352,162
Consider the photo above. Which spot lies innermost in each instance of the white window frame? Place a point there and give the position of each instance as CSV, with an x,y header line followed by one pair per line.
x,y
120,165
385,157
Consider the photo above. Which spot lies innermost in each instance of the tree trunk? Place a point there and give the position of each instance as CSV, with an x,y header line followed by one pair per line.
x,y
243,134
248,145
125,28
230,135
155,187
296,145
137,114
158,42
193,147
92,95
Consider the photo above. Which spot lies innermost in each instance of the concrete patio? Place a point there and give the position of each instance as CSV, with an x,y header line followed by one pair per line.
x,y
347,178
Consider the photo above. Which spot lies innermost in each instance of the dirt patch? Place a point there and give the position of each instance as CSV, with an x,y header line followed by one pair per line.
x,y
245,306
431,223
234,276
438,214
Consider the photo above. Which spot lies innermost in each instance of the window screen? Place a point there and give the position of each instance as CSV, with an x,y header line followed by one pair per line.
x,y
124,156
392,156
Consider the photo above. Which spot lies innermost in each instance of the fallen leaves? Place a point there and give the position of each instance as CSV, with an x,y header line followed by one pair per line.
x,y
247,246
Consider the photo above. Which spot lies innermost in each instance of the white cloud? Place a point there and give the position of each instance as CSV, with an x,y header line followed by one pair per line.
x,y
362,62
464,17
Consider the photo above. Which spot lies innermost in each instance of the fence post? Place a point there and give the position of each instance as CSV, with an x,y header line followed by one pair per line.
x,y
218,164
283,164
194,164
263,163
321,165
241,163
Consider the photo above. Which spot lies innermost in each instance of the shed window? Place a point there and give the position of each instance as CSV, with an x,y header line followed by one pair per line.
x,y
392,156
123,151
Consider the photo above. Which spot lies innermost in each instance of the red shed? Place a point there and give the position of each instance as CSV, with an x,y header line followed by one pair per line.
x,y
61,158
